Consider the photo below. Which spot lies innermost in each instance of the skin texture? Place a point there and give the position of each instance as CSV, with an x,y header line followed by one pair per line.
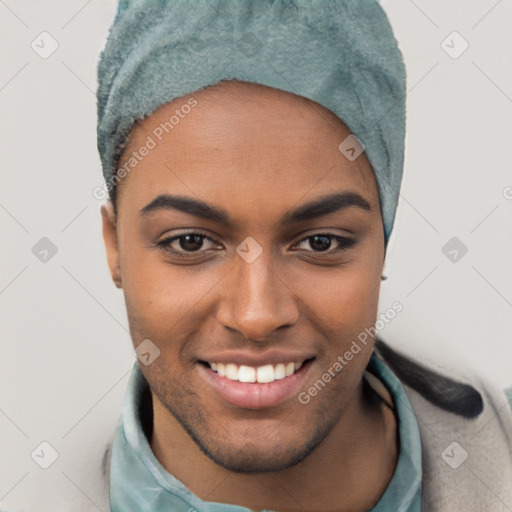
x,y
258,153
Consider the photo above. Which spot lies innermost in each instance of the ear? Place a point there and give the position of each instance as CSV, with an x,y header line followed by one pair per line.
x,y
108,219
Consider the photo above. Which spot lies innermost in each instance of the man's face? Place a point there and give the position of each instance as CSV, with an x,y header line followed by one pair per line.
x,y
266,288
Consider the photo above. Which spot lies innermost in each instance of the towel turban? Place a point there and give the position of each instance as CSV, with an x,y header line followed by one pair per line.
x,y
341,54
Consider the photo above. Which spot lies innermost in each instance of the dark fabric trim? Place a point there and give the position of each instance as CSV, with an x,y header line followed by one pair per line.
x,y
441,391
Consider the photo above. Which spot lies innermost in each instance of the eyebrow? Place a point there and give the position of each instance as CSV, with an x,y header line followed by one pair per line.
x,y
311,210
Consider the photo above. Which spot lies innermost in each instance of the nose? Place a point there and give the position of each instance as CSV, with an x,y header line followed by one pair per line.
x,y
258,301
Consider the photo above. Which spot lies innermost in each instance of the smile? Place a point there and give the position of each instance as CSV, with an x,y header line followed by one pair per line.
x,y
262,374
255,387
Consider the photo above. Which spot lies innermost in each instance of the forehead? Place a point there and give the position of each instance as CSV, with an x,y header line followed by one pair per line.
x,y
245,139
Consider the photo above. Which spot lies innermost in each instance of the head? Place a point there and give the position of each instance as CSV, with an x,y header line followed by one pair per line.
x,y
245,230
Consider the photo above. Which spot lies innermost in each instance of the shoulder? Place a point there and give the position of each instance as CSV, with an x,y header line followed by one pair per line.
x,y
508,394
466,395
444,391
465,423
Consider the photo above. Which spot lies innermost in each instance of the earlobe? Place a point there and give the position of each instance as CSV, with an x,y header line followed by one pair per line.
x,y
384,275
108,219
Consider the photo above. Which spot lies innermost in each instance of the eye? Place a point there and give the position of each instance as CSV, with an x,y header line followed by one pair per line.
x,y
322,242
185,244
191,243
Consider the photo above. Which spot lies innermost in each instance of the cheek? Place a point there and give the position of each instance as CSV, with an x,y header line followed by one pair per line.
x,y
360,290
362,294
164,302
345,302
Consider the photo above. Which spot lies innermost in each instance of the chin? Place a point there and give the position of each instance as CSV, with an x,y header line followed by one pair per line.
x,y
256,459
262,455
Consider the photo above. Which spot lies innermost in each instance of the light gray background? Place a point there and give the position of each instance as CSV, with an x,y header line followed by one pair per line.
x,y
66,352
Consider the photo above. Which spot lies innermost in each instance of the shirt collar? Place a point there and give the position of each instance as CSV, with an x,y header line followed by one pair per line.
x,y
139,482
403,493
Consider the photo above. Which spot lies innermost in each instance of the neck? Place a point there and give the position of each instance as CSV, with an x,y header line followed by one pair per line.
x,y
348,471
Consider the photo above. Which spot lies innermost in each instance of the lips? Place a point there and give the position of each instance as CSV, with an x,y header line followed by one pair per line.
x,y
255,386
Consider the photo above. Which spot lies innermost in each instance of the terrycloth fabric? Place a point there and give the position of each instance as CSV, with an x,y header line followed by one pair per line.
x,y
339,53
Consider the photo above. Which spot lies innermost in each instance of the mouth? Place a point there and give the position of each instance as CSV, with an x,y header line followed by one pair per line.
x,y
261,374
255,387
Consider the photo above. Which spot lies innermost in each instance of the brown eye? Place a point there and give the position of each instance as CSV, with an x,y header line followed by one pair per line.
x,y
322,242
190,242
185,243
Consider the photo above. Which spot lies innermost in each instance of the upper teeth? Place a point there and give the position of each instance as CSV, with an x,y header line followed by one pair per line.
x,y
266,373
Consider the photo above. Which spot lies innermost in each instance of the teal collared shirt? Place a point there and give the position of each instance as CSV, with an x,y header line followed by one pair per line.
x,y
139,482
